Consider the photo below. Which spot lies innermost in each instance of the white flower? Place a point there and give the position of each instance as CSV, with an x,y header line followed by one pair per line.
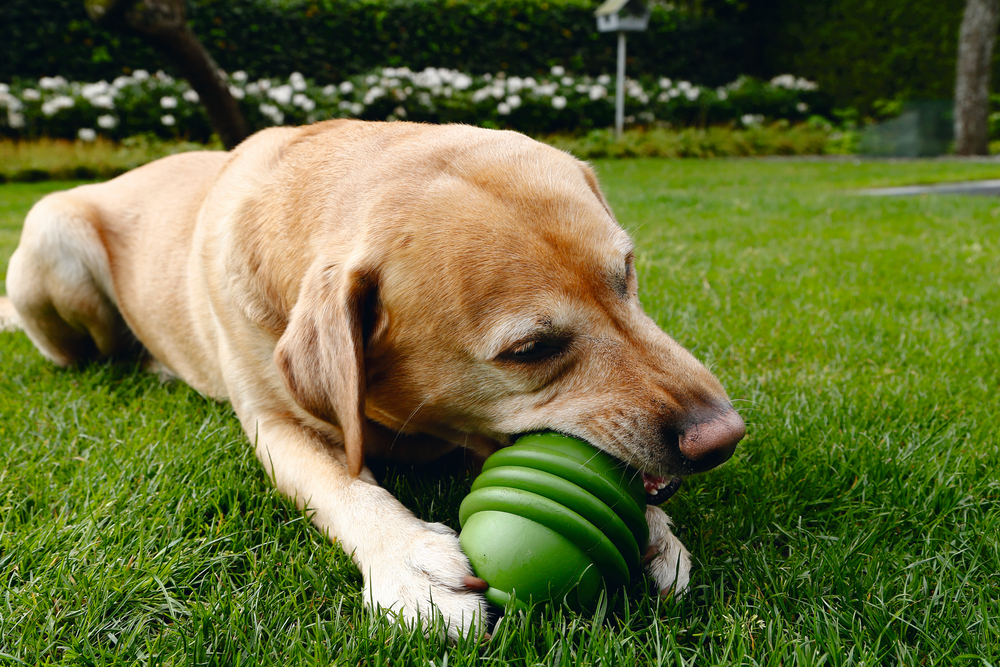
x,y
357,108
722,94
281,94
400,112
4,89
557,70
15,119
121,82
514,84
346,87
373,94
598,92
503,108
298,81
13,104
372,79
802,107
51,83
303,102
253,89
31,94
168,102
237,93
330,90
559,102
168,120
56,103
103,101
191,96
750,119
91,90
664,96
264,84
604,79
514,101
547,89
107,121
566,81
272,112
462,82
665,82
239,76
140,75
684,86
86,134
692,93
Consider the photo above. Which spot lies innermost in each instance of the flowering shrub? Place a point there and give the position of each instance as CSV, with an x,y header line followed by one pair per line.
x,y
158,104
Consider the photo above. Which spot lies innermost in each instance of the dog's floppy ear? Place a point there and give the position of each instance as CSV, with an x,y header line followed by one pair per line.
x,y
320,356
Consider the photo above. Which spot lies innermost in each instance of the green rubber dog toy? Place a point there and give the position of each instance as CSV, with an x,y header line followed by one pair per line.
x,y
552,518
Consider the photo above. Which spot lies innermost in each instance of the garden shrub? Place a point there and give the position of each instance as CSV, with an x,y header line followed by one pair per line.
x,y
558,101
333,39
859,51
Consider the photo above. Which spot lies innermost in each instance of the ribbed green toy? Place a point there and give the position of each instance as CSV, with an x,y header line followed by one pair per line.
x,y
552,518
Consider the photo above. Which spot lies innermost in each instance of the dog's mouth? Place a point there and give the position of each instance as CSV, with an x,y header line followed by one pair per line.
x,y
659,489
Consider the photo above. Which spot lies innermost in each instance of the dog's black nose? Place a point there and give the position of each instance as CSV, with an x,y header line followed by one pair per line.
x,y
711,442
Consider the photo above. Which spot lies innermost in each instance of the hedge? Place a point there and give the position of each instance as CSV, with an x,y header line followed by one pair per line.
x,y
859,51
334,39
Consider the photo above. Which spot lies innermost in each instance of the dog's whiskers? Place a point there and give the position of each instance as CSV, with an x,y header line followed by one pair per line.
x,y
403,427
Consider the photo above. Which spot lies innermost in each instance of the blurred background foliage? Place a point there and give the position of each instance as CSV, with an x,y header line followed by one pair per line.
x,y
860,52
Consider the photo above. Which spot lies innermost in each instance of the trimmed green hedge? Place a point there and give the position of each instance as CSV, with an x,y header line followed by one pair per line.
x,y
859,51
330,40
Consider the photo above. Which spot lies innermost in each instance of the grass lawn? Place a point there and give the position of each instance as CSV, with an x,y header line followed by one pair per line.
x,y
858,523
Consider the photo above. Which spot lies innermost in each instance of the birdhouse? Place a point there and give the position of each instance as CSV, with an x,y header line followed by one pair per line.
x,y
618,15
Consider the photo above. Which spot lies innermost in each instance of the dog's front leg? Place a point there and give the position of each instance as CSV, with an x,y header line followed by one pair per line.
x,y
411,568
670,562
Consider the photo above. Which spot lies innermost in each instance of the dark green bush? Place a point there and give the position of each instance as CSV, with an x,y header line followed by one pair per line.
x,y
859,51
330,40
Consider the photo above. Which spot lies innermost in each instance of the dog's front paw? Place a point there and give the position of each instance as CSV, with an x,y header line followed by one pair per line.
x,y
421,574
670,565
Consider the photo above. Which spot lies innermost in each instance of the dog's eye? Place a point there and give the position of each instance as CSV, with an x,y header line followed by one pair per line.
x,y
535,350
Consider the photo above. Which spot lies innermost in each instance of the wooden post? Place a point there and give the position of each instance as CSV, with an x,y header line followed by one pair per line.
x,y
620,88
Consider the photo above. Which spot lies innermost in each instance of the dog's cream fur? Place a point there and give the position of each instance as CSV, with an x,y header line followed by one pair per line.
x,y
389,290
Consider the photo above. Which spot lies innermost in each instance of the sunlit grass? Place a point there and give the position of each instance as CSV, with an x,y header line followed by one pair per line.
x,y
52,159
858,523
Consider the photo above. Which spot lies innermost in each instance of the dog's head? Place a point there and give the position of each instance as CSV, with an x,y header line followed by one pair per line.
x,y
496,295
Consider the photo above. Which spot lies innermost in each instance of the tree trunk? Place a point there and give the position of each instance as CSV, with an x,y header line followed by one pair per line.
x,y
976,38
164,24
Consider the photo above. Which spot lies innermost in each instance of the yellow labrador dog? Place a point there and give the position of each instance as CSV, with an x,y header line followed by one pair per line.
x,y
391,290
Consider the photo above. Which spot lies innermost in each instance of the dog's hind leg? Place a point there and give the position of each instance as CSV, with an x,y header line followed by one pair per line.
x,y
59,282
